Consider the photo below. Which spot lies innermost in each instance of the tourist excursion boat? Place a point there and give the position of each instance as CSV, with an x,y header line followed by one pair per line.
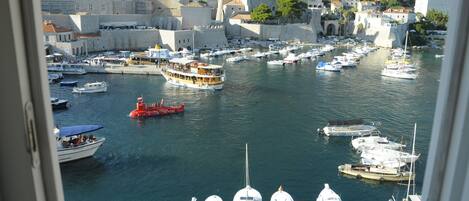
x,y
69,83
155,109
58,104
375,142
72,144
327,194
323,66
66,68
348,128
193,74
376,172
247,193
94,87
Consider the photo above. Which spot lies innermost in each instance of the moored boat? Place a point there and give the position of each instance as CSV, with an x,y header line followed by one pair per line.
x,y
291,58
323,66
247,193
94,87
69,83
193,74
72,144
276,62
372,142
349,128
281,195
327,194
58,104
376,172
143,110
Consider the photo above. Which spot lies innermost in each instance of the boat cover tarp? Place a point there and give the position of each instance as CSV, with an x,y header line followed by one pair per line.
x,y
77,130
346,122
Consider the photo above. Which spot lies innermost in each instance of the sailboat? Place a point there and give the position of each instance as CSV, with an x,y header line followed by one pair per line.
x,y
327,194
281,195
413,196
400,70
247,193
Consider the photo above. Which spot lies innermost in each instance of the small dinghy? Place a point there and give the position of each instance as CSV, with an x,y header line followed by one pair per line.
x,y
58,104
69,83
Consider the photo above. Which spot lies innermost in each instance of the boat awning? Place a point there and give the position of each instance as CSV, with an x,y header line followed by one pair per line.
x,y
77,130
182,61
346,122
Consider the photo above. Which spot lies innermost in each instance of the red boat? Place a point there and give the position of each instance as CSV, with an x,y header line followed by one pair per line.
x,y
154,109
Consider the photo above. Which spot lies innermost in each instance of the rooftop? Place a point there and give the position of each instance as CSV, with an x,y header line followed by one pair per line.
x,y
49,27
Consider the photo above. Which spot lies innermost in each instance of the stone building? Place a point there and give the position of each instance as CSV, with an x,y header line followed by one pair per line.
x,y
63,39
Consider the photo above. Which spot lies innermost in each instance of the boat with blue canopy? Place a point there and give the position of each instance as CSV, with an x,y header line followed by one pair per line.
x,y
74,143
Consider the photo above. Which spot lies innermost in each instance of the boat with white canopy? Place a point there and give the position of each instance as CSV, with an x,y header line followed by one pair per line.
x,y
380,154
247,193
372,142
348,128
73,144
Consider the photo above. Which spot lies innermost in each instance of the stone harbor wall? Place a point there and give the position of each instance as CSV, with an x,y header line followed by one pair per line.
x,y
298,32
211,36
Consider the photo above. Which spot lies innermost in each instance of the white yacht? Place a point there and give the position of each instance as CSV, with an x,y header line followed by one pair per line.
x,y
327,194
348,128
291,58
343,61
388,163
380,154
281,195
94,87
67,68
259,55
72,144
328,67
237,59
276,63
193,74
399,73
372,142
247,193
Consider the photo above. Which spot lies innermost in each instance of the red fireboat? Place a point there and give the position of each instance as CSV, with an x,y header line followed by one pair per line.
x,y
154,109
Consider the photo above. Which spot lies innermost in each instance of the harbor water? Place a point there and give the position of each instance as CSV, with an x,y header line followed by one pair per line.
x,y
277,110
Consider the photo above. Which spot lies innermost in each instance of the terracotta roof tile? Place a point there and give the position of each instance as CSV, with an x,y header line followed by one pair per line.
x,y
49,27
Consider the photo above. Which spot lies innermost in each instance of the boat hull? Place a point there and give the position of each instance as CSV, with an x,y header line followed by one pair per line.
x,y
60,105
88,91
80,152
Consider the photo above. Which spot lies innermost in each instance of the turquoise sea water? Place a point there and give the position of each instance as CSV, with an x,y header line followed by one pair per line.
x,y
276,110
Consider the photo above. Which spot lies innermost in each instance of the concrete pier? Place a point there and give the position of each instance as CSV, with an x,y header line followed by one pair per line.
x,y
119,69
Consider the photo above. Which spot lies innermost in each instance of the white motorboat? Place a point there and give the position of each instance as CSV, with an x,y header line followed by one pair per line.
x,y
398,73
323,66
237,59
327,48
94,87
305,56
327,194
281,195
247,49
348,128
439,55
276,63
72,144
380,154
247,193
372,142
259,55
343,61
214,198
67,68
284,51
291,58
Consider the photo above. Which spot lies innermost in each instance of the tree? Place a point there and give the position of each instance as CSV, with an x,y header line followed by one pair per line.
x,y
291,9
261,13
385,4
437,18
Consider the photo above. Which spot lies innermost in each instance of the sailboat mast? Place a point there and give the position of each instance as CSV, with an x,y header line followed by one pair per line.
x,y
247,166
412,163
405,45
